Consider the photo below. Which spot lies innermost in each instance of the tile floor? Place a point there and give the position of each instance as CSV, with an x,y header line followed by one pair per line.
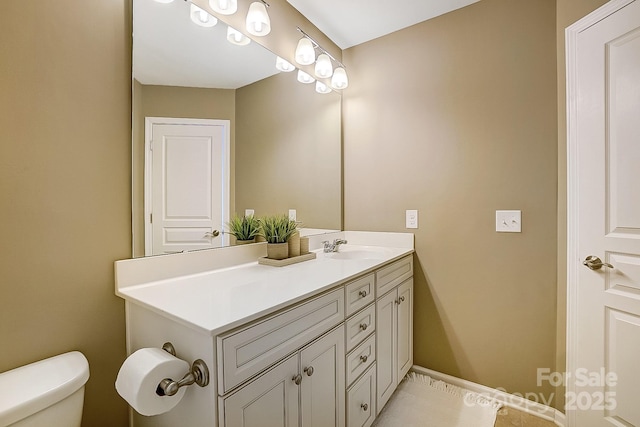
x,y
509,417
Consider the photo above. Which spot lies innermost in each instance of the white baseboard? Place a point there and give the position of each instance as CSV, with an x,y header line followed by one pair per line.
x,y
513,401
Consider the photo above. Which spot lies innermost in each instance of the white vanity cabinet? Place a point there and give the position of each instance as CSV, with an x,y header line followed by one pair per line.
x,y
394,327
307,389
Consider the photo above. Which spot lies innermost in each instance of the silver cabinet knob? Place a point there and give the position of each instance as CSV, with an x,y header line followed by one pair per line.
x,y
362,294
364,358
297,379
308,371
364,407
595,263
399,300
363,326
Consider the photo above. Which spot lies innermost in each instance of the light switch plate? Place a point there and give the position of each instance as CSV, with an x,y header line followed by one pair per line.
x,y
509,221
249,212
412,218
292,214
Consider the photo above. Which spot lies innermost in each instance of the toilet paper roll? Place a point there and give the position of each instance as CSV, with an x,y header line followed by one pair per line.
x,y
140,375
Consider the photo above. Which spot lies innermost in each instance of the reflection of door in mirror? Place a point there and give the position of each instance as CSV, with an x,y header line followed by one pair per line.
x,y
186,185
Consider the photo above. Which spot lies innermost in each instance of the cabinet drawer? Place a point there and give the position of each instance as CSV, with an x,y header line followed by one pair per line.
x,y
246,352
361,401
360,326
393,274
359,293
361,358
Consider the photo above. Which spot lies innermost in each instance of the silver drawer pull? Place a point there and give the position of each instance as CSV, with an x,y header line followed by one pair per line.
x,y
297,379
363,326
364,407
362,294
364,358
308,371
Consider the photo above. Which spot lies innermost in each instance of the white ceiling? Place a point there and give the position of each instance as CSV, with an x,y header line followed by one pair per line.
x,y
352,22
168,49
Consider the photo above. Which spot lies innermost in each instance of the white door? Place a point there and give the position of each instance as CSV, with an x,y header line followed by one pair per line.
x,y
323,381
187,184
603,353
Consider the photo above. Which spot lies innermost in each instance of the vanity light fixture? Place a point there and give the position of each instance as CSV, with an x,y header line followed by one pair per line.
x,y
305,53
284,65
305,78
322,88
201,17
223,7
339,80
236,37
258,22
323,68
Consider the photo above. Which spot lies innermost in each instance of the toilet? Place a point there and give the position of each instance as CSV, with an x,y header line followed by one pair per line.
x,y
46,393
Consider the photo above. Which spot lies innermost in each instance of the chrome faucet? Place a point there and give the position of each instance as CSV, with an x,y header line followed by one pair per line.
x,y
333,247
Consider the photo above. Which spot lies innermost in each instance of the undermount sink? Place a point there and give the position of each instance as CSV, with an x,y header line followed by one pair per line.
x,y
346,252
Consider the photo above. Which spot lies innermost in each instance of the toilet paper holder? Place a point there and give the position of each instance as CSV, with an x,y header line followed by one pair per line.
x,y
199,374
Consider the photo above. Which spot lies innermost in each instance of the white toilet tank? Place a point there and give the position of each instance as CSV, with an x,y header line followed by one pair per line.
x,y
46,393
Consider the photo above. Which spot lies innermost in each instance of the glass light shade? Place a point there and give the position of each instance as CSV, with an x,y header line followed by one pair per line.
x,y
284,65
305,53
304,77
322,88
201,17
224,7
324,68
236,37
339,79
258,22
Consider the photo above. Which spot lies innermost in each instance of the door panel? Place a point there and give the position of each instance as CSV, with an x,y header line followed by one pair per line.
x,y
386,328
405,328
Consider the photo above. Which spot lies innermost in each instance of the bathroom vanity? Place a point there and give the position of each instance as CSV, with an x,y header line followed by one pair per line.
x,y
320,343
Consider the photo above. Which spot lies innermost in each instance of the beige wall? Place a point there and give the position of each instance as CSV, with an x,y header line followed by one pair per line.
x,y
181,102
457,117
288,151
65,185
568,12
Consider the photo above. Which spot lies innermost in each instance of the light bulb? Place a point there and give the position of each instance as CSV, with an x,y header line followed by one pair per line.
x,y
201,17
339,79
284,65
323,67
305,54
305,78
322,88
236,37
258,22
224,7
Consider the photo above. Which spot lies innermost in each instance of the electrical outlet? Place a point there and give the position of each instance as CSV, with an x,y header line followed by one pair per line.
x,y
292,214
412,218
249,212
509,221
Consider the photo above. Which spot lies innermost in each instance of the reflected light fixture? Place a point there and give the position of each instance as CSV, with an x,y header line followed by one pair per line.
x,y
339,79
305,53
305,78
224,7
322,88
236,37
323,68
284,65
258,22
201,17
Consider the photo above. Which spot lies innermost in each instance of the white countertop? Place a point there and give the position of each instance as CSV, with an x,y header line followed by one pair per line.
x,y
218,300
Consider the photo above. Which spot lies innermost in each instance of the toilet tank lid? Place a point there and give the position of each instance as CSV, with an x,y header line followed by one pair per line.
x,y
34,387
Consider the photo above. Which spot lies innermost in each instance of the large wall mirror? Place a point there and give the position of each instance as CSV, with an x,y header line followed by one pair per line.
x,y
284,138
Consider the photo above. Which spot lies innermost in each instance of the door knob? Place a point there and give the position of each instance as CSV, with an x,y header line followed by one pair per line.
x,y
595,263
211,234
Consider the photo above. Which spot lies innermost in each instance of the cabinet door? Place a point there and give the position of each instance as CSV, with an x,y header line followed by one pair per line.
x,y
386,330
271,400
405,328
323,383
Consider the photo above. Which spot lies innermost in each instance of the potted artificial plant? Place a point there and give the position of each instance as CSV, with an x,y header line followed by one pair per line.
x,y
245,229
276,230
